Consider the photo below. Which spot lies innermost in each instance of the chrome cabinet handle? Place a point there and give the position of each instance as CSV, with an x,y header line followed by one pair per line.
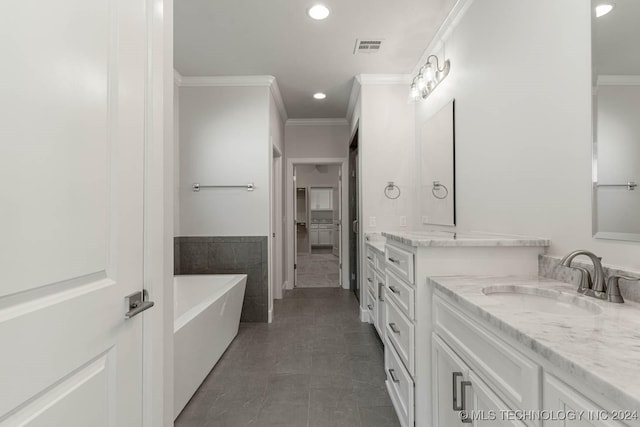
x,y
369,279
380,290
137,304
394,328
394,260
394,289
465,418
456,407
392,374
369,258
370,308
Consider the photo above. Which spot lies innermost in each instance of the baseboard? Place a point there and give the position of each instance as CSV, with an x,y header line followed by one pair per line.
x,y
364,315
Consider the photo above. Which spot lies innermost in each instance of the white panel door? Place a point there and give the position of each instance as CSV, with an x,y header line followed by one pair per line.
x,y
72,106
450,374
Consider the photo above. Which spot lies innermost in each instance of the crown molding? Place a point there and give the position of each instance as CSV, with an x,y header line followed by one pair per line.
x,y
316,122
444,32
383,79
617,80
194,81
353,98
277,97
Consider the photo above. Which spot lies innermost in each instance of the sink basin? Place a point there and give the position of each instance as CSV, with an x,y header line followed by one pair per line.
x,y
548,301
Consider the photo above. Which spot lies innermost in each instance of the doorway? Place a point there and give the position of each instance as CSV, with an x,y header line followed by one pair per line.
x,y
354,229
318,213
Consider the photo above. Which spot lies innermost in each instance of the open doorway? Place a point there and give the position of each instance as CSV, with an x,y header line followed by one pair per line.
x,y
318,212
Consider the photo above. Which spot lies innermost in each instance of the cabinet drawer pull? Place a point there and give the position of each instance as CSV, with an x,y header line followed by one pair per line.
x,y
394,328
465,418
380,291
370,307
369,258
455,391
392,374
395,261
394,289
369,279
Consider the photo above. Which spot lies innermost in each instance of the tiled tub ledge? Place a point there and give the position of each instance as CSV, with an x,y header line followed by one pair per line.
x,y
601,350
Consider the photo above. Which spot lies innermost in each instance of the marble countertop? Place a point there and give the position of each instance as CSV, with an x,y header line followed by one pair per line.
x,y
468,238
602,350
376,241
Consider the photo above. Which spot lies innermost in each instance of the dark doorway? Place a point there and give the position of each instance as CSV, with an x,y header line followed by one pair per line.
x,y
353,216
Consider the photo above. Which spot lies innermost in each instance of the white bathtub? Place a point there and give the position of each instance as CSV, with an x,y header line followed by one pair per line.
x,y
206,319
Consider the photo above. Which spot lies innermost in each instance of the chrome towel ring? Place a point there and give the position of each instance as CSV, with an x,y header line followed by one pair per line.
x,y
436,188
392,191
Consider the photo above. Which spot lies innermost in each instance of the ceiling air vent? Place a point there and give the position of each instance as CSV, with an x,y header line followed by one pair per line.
x,y
367,46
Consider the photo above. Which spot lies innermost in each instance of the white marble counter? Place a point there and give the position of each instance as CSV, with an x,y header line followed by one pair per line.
x,y
376,241
602,350
471,239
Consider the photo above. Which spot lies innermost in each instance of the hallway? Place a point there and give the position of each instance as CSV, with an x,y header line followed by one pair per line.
x,y
315,365
318,270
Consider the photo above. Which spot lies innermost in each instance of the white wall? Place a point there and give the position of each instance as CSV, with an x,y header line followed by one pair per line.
x,y
521,78
176,159
387,153
310,176
277,259
316,140
224,139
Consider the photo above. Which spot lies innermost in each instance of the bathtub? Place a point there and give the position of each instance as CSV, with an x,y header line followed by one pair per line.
x,y
206,319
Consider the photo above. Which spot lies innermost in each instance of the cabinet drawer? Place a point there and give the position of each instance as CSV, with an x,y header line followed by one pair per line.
x,y
400,387
514,377
379,257
370,279
400,333
371,306
401,293
400,262
370,253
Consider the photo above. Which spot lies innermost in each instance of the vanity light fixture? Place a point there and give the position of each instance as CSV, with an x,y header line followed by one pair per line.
x,y
429,77
603,9
318,12
319,96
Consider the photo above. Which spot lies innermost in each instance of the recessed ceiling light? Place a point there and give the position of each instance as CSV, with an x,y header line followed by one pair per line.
x,y
603,9
319,95
318,12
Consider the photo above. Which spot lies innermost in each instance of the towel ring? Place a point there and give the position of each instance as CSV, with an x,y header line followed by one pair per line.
x,y
437,187
390,189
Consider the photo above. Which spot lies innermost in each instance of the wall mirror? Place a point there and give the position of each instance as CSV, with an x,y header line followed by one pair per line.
x,y
437,168
616,119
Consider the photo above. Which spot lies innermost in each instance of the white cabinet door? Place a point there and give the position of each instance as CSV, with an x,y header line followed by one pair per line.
x,y
314,237
325,237
450,377
73,110
488,410
558,396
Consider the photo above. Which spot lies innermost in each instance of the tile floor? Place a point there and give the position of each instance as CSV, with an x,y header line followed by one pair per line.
x,y
318,270
316,365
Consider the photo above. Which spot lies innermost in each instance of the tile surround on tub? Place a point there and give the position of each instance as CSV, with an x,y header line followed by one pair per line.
x,y
229,255
549,267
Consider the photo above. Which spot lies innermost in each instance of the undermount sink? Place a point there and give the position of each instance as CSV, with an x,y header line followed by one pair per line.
x,y
549,301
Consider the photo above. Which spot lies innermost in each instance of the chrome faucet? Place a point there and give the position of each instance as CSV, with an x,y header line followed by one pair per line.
x,y
599,289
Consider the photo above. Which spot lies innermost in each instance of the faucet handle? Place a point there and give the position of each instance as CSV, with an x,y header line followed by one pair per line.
x,y
613,287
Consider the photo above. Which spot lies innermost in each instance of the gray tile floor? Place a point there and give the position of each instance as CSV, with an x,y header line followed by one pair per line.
x,y
318,270
316,365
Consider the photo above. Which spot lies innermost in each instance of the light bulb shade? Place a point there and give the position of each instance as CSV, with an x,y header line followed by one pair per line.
x,y
415,93
429,73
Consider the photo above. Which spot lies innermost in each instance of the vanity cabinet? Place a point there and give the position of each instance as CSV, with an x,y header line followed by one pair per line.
x,y
500,380
374,277
321,235
409,259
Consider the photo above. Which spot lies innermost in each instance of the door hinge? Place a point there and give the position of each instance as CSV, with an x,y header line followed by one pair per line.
x,y
295,266
353,276
273,235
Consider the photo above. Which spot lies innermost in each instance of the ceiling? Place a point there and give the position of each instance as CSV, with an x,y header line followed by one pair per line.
x,y
615,39
276,37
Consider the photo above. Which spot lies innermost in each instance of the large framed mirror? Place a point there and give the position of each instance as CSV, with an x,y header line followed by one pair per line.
x,y
616,119
437,168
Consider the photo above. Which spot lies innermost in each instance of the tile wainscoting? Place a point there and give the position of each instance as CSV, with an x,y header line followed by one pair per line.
x,y
229,255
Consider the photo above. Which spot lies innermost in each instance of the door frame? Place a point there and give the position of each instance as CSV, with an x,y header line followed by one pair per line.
x,y
290,214
157,327
275,229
